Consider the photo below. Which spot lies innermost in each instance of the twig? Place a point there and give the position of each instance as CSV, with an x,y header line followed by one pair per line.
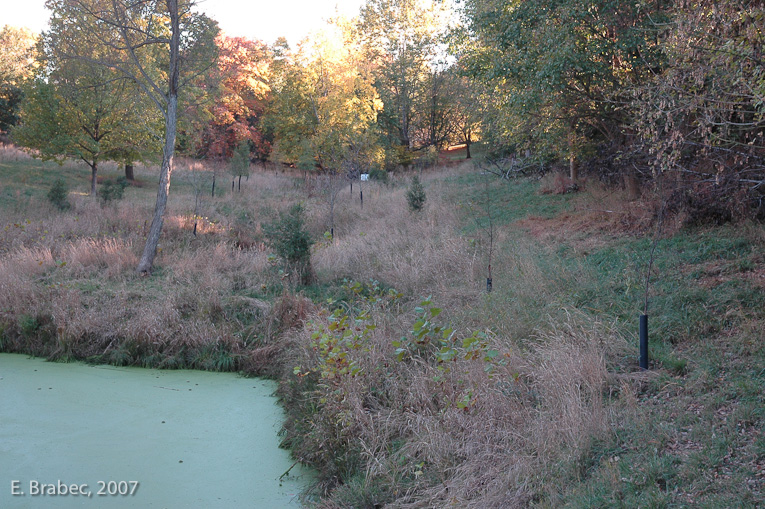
x,y
286,472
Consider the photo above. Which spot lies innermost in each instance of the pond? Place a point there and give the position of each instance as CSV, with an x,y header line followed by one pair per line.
x,y
139,438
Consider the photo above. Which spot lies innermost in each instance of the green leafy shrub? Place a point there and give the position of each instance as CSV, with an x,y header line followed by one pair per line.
x,y
58,195
113,189
415,196
288,237
378,175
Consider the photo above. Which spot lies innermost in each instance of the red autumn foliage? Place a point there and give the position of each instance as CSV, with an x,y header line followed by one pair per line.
x,y
243,67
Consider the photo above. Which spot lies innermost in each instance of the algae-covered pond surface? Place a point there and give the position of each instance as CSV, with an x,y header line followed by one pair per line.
x,y
172,438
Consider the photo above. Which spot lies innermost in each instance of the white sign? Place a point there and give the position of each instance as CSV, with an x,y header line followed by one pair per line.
x,y
364,177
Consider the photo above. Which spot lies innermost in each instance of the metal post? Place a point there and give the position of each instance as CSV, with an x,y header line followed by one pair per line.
x,y
643,341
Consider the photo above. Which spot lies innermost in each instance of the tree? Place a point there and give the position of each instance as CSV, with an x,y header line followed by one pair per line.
x,y
74,109
288,237
563,71
415,195
159,44
239,165
438,106
702,117
325,107
16,65
402,39
243,71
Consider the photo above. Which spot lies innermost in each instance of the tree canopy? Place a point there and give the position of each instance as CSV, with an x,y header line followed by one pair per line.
x,y
17,63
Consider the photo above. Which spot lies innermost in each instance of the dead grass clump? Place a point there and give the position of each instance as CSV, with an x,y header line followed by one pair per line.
x,y
107,257
558,183
20,295
183,225
11,152
290,311
220,265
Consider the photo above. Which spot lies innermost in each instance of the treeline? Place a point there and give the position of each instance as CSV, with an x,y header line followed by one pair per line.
x,y
662,92
638,90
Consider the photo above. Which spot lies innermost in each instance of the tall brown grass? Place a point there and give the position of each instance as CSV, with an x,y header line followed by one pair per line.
x,y
470,432
476,431
416,253
71,275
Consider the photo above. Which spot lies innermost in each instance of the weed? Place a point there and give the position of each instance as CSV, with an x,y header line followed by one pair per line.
x,y
28,325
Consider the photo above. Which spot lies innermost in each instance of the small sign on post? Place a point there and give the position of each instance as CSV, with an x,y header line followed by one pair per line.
x,y
364,177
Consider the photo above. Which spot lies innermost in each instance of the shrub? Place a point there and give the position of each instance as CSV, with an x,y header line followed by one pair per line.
x,y
58,195
288,237
416,195
378,175
113,189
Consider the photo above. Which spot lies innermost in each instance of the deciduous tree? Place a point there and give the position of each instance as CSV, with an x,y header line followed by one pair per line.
x,y
325,107
562,71
243,70
16,65
162,45
703,116
402,39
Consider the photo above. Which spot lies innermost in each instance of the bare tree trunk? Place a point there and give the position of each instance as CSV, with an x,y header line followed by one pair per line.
x,y
573,167
632,185
467,148
129,171
152,241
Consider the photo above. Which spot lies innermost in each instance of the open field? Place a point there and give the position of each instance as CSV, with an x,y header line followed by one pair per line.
x,y
404,382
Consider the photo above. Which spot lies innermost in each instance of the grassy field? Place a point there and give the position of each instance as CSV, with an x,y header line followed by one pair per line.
x,y
404,382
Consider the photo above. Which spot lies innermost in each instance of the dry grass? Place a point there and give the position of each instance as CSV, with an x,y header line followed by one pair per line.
x,y
464,435
416,253
510,429
467,437
68,287
10,152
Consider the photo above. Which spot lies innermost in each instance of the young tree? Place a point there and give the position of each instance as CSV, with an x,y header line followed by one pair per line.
x,y
78,111
161,45
239,165
288,237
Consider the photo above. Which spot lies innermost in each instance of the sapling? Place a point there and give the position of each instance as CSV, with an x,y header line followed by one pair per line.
x,y
58,195
490,219
651,257
415,196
